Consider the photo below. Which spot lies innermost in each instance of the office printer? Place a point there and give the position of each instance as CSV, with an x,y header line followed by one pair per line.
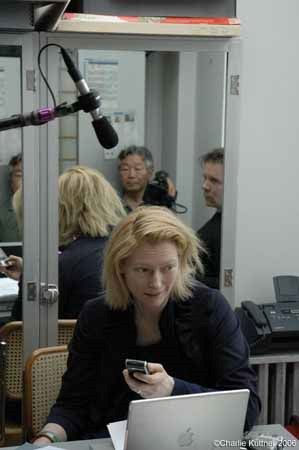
x,y
273,327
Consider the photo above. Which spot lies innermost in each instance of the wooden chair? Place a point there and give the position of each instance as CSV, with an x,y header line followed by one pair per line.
x,y
12,334
42,380
2,392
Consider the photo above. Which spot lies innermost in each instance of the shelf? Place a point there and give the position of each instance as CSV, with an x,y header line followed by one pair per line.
x,y
91,23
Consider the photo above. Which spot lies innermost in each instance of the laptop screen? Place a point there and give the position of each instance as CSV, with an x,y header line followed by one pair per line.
x,y
193,422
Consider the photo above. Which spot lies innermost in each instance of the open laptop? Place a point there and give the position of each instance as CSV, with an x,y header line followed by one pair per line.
x,y
191,422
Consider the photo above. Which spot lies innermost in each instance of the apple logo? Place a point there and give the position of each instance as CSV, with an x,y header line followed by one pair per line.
x,y
185,439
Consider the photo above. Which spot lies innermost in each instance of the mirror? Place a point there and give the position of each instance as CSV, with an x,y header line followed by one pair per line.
x,y
171,102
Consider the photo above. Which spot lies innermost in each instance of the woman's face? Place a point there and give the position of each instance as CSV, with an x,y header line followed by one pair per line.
x,y
150,273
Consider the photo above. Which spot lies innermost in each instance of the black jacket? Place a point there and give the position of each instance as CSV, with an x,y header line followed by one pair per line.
x,y
202,347
210,234
80,271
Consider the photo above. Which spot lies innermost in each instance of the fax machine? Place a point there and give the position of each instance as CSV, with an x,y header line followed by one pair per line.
x,y
273,327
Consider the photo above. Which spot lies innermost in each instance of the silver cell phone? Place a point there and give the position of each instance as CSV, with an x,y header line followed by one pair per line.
x,y
136,365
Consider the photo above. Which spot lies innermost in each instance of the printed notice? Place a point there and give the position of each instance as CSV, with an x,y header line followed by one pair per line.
x,y
103,76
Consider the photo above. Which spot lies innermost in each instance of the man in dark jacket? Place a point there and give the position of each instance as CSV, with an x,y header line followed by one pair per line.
x,y
9,230
210,233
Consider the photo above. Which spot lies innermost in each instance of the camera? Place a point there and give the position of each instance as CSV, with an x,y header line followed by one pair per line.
x,y
156,192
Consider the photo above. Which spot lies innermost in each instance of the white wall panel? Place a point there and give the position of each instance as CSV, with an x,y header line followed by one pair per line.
x,y
267,238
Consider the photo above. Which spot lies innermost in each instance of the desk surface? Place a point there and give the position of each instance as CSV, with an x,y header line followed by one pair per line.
x,y
106,444
91,444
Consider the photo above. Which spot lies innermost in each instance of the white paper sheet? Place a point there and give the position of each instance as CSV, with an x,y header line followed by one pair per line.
x,y
8,286
117,432
52,447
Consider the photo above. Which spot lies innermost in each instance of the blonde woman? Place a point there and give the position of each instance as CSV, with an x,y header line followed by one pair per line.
x,y
89,208
153,311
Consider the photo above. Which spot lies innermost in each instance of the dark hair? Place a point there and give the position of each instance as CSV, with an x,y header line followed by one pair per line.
x,y
215,156
15,160
140,151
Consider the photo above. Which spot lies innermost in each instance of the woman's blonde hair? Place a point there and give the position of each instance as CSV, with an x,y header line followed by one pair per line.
x,y
88,204
151,224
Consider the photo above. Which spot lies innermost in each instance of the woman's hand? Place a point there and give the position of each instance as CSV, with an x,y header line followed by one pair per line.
x,y
157,384
13,267
54,430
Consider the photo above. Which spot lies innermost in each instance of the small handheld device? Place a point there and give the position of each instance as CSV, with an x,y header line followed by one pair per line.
x,y
3,263
136,365
3,257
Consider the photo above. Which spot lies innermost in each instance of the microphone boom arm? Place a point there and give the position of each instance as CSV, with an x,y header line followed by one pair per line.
x,y
87,102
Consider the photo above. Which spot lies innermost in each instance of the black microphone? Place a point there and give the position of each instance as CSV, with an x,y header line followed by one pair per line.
x,y
104,130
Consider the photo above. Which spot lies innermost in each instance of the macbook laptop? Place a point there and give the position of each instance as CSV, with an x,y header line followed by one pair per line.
x,y
191,422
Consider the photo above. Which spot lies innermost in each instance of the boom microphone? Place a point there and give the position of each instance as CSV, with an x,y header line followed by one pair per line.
x,y
105,133
38,117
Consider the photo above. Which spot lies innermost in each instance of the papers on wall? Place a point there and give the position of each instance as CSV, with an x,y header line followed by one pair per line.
x,y
102,75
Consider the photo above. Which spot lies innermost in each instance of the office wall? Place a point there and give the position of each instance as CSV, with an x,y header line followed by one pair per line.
x,y
178,130
210,105
170,106
267,239
153,106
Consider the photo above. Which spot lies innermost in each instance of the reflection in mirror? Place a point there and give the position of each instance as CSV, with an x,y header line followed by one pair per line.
x,y
212,164
9,228
176,105
173,103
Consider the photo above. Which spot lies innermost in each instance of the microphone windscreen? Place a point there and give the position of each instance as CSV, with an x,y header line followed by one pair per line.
x,y
105,132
